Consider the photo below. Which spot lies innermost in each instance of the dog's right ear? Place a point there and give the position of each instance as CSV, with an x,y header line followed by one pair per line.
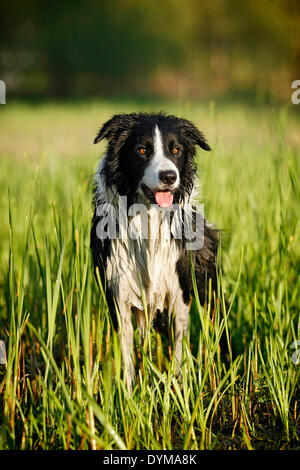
x,y
192,134
115,127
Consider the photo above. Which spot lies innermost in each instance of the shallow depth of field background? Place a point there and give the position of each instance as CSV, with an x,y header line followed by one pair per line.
x,y
226,65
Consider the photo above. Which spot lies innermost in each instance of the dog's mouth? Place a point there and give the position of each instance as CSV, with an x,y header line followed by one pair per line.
x,y
164,198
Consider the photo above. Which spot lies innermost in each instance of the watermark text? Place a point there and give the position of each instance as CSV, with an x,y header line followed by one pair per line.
x,y
295,98
2,92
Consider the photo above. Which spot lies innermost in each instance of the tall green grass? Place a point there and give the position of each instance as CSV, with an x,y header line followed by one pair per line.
x,y
62,386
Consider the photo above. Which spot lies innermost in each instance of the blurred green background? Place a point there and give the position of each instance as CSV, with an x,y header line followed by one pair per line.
x,y
175,48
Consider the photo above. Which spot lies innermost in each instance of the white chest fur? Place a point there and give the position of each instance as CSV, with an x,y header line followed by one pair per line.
x,y
142,272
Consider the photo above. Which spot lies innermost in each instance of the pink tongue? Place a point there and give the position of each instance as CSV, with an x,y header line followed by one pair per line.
x,y
164,198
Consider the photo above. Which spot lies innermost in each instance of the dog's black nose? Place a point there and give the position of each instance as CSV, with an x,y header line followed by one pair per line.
x,y
168,177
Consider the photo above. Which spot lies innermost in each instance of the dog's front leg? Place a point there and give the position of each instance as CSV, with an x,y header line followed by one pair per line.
x,y
181,330
126,341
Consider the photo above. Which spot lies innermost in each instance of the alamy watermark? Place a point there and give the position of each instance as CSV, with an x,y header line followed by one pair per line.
x,y
137,222
2,92
296,355
295,98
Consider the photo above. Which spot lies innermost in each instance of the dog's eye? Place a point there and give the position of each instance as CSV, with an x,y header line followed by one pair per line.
x,y
142,151
175,151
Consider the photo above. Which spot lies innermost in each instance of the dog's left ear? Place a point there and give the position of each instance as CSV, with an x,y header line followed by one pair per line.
x,y
192,134
116,130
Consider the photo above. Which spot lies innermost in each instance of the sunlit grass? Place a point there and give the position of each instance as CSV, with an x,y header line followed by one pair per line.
x,y
62,386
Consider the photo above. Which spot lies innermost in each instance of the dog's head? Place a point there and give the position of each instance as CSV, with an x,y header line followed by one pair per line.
x,y
151,156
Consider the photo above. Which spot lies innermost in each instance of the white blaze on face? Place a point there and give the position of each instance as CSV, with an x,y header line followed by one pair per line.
x,y
158,163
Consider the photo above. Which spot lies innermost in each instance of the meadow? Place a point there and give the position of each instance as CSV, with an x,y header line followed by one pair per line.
x,y
62,385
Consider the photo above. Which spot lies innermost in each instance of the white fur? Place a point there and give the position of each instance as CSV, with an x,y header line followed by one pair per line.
x,y
158,163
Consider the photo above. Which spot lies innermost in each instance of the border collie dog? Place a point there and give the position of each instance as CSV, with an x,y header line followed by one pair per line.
x,y
143,200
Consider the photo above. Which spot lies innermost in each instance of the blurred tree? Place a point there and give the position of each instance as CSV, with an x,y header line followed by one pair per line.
x,y
111,46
